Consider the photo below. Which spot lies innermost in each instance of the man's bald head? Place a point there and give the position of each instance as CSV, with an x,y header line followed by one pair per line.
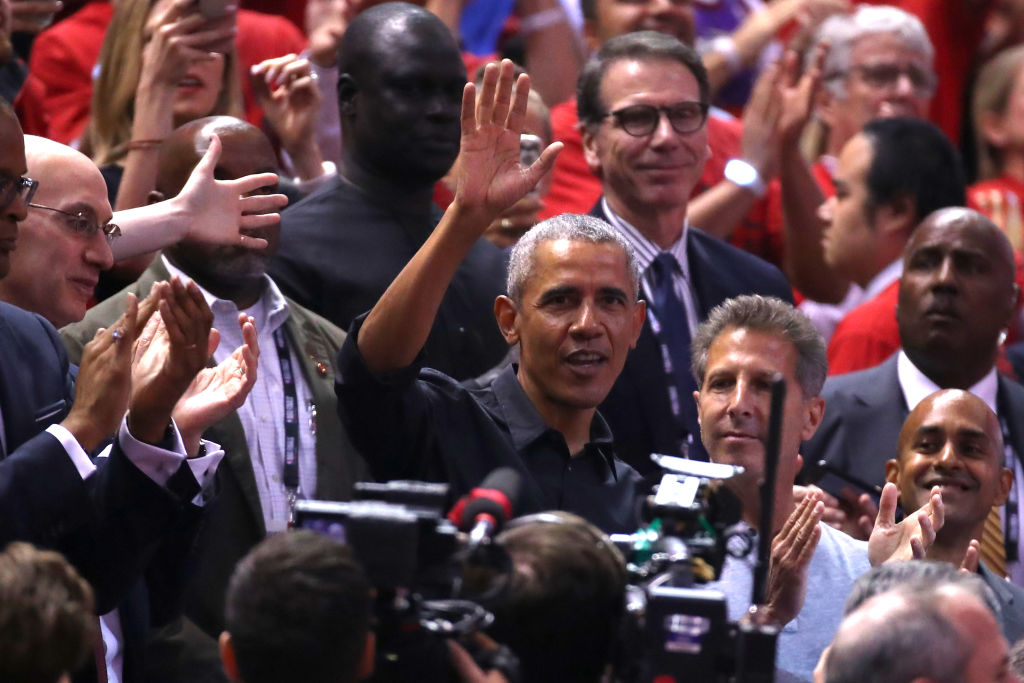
x,y
400,83
957,294
61,248
245,150
883,640
12,168
373,31
954,441
231,272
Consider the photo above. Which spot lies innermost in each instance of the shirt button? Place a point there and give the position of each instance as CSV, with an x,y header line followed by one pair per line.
x,y
276,478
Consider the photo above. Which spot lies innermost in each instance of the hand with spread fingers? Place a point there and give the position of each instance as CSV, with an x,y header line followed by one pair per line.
x,y
911,538
490,178
216,392
172,349
104,382
792,550
218,209
795,93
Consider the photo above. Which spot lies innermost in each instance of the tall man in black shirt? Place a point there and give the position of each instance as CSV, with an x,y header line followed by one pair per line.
x,y
399,87
571,305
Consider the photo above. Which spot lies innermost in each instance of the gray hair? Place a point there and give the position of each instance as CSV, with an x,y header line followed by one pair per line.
x,y
841,31
917,575
567,226
765,314
887,647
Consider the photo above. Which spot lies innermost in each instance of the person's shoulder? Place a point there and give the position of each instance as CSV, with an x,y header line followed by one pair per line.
x,y
25,322
310,323
745,264
852,550
319,210
859,378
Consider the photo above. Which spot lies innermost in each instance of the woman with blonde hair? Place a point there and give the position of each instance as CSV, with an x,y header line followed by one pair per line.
x,y
998,112
162,64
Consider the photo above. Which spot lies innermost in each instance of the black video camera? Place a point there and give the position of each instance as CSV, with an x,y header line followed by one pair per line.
x,y
675,628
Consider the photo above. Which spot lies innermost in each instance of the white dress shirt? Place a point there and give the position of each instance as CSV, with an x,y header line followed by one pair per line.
x,y
262,414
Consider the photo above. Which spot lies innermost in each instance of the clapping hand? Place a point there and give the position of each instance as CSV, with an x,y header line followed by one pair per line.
x,y
103,385
216,392
171,350
912,537
792,550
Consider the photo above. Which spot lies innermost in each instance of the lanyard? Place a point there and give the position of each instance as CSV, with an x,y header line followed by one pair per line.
x,y
291,423
1011,529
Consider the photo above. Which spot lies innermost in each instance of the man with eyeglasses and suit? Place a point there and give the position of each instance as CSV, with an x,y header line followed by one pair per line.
x,y
643,105
61,246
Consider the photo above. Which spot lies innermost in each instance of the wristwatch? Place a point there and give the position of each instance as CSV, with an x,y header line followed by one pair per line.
x,y
746,176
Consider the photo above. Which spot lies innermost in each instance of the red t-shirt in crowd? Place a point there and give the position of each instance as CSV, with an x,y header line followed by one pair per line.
x,y
867,335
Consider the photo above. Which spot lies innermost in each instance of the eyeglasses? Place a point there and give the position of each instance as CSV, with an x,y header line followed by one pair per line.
x,y
888,76
80,223
14,187
640,120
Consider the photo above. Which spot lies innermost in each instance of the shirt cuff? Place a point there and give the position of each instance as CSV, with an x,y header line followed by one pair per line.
x,y
156,463
79,458
204,468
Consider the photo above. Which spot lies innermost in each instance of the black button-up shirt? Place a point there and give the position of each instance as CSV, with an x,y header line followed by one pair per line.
x,y
422,424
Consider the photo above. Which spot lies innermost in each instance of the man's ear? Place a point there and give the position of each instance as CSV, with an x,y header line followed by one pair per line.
x,y
639,315
815,410
590,146
1014,300
897,217
155,197
227,656
347,90
892,471
506,312
1005,484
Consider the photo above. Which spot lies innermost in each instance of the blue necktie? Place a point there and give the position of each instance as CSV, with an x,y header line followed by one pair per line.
x,y
675,331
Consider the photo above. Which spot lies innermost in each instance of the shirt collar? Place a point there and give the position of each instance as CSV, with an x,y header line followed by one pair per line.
x,y
525,424
270,311
883,279
646,250
916,386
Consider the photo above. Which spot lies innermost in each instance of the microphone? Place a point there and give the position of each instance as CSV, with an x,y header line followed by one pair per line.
x,y
484,510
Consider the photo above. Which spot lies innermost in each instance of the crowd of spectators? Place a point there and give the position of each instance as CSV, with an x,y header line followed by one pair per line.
x,y
259,252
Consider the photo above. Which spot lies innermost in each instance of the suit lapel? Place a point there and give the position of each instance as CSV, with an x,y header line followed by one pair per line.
x,y
335,474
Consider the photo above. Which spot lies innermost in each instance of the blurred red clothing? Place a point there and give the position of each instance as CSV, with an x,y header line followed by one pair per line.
x,y
64,56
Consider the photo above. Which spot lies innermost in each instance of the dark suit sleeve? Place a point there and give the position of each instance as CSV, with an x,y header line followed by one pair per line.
x,y
108,526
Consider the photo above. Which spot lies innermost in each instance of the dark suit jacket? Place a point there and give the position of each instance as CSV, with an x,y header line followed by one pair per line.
x,y
638,408
108,526
1011,604
864,412
234,521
